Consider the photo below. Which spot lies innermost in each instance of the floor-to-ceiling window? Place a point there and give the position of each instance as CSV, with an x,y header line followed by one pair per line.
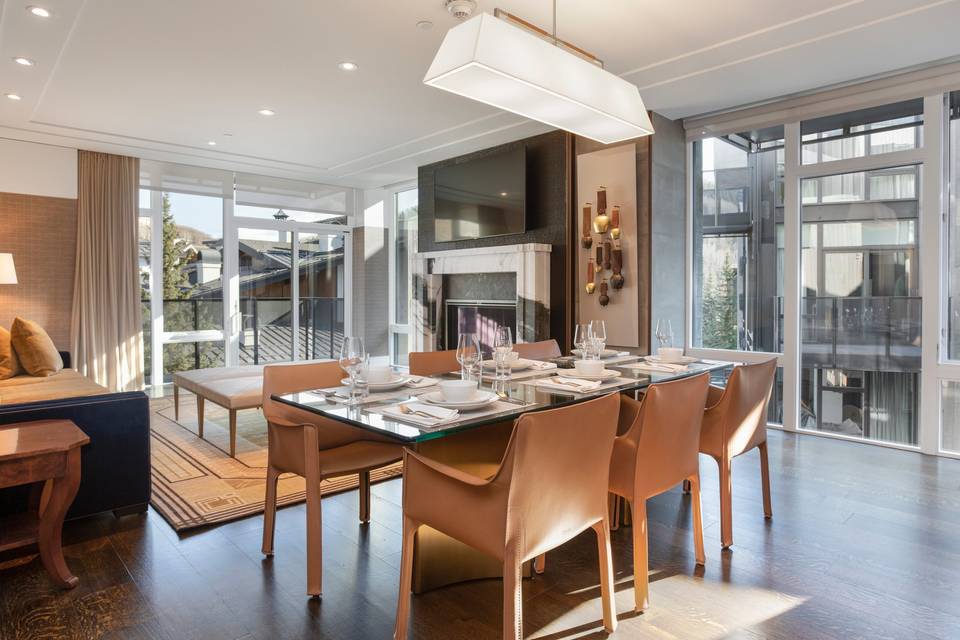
x,y
404,245
854,215
240,269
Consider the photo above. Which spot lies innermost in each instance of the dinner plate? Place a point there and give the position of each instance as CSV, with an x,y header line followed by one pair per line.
x,y
608,374
482,399
515,365
680,360
396,383
607,353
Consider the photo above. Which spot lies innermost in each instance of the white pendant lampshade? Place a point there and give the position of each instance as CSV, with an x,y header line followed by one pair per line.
x,y
492,61
8,275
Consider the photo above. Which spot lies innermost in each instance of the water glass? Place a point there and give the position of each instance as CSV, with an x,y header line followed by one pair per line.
x,y
468,354
581,335
352,360
502,352
664,333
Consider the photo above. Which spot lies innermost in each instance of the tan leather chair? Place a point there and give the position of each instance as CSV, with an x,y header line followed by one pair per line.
x,y
658,449
431,363
735,421
551,485
308,445
543,350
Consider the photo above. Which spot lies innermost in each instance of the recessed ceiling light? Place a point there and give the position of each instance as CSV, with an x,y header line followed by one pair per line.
x,y
267,112
424,25
27,62
503,194
348,66
212,143
40,12
13,96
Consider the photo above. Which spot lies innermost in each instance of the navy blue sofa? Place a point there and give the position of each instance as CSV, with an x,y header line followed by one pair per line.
x,y
115,466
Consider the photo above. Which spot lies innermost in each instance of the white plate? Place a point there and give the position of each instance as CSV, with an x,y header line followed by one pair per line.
x,y
607,353
608,374
482,399
680,360
515,365
396,383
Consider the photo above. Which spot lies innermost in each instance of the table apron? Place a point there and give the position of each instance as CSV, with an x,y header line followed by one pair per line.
x,y
33,469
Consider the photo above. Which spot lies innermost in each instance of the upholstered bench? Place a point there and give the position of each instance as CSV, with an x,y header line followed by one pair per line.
x,y
233,388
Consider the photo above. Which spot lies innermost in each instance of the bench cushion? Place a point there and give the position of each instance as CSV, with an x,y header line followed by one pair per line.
x,y
234,393
197,379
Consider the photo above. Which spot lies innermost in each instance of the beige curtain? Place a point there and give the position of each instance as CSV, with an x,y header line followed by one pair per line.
x,y
106,330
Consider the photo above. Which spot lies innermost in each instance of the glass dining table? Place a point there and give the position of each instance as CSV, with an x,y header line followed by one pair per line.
x,y
474,441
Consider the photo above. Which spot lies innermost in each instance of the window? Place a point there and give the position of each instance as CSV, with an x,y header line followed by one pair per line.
x,y
404,246
952,231
866,132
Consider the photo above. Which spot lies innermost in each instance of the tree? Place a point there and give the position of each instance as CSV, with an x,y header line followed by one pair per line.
x,y
175,283
720,308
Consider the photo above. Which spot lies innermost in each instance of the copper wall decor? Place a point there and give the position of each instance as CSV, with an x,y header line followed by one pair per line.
x,y
586,240
591,278
607,259
604,297
615,223
616,280
602,222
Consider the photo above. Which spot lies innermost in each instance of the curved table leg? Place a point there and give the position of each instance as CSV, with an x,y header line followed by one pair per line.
x,y
51,522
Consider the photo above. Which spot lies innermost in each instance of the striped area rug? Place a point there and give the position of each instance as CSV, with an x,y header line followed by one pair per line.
x,y
196,483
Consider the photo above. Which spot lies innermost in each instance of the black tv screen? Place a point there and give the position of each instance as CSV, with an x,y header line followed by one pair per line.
x,y
482,197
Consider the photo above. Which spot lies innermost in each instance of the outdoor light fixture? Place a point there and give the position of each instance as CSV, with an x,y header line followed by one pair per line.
x,y
508,63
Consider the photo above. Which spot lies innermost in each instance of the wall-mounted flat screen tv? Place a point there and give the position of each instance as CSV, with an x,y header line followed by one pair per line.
x,y
482,197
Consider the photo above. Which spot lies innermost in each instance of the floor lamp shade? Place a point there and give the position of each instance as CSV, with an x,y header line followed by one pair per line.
x,y
8,275
492,61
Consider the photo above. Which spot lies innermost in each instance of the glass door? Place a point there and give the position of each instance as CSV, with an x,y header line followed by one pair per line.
x,y
265,259
321,276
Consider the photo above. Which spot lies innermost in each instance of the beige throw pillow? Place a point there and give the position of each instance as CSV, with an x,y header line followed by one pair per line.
x,y
9,363
36,351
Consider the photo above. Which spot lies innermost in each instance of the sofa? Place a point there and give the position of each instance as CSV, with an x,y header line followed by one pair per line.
x,y
115,466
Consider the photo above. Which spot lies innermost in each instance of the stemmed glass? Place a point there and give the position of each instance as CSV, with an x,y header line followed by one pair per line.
x,y
581,338
664,333
598,335
468,353
502,348
352,359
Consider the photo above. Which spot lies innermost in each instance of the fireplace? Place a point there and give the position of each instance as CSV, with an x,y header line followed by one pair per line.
x,y
482,317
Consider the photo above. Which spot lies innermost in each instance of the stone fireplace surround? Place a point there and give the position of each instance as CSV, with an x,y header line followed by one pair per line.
x,y
531,264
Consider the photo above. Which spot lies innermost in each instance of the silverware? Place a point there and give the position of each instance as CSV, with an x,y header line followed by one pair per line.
x,y
505,398
413,412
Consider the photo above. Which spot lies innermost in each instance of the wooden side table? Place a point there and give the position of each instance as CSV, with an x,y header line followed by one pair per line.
x,y
45,451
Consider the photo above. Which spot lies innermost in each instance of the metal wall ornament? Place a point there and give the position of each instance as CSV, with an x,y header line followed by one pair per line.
x,y
604,295
601,223
586,239
616,280
591,278
609,252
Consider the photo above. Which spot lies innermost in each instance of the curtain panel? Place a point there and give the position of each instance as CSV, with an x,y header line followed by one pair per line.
x,y
106,329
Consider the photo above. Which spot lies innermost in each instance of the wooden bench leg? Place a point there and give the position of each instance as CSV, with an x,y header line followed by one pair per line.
x,y
51,523
199,415
176,403
233,433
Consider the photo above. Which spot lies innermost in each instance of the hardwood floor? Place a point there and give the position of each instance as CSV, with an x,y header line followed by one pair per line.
x,y
864,543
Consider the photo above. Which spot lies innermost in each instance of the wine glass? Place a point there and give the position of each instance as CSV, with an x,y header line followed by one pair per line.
x,y
352,359
664,333
468,353
581,336
502,348
598,331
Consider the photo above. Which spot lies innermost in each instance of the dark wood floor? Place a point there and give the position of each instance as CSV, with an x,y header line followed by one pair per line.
x,y
865,543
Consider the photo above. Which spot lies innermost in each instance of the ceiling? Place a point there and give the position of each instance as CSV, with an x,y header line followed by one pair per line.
x,y
159,79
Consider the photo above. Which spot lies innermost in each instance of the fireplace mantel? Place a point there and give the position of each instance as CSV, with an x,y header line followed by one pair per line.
x,y
531,264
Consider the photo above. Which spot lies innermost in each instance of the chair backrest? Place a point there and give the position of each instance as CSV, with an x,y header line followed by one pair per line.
x,y
665,434
743,405
542,350
557,465
430,363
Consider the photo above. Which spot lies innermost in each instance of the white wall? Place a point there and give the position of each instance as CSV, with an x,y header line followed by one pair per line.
x,y
37,169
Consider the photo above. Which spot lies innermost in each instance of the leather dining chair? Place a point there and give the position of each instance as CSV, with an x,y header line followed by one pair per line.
x,y
543,350
550,486
735,421
315,448
658,448
431,363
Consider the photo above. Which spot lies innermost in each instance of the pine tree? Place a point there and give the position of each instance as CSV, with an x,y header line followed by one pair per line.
x,y
720,308
175,283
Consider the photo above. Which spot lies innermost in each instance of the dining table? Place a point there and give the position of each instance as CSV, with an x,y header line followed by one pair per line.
x,y
474,440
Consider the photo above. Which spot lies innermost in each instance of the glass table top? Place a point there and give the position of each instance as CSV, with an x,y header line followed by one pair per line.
x,y
515,397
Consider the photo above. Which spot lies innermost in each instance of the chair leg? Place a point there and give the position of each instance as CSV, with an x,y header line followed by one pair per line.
x,y
233,433
641,581
686,486
512,597
540,564
614,508
602,529
199,415
406,580
314,516
176,403
364,489
270,510
726,503
697,519
765,477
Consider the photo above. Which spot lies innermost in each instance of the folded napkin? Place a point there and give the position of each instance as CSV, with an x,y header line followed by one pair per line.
x,y
540,365
426,415
421,382
563,383
659,367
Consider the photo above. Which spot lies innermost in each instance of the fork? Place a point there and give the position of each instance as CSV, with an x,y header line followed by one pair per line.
x,y
408,411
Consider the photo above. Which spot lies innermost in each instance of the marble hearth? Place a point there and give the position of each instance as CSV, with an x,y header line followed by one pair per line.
x,y
530,263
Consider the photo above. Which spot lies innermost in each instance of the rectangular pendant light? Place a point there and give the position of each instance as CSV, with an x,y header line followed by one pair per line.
x,y
492,61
